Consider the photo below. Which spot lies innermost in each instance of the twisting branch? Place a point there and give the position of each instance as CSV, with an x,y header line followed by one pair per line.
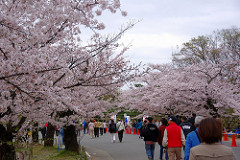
x,y
43,44
59,79
10,27
27,73
21,90
99,49
4,54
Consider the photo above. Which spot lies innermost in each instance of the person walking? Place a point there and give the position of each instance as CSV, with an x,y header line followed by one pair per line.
x,y
44,131
85,126
104,126
134,126
121,128
174,139
210,131
150,133
101,127
91,128
193,139
160,138
96,128
186,126
139,126
113,129
192,120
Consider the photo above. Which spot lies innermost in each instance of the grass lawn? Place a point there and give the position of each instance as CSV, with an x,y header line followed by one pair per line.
x,y
51,153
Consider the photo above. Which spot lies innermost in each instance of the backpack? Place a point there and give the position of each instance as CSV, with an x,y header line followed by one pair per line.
x,y
112,128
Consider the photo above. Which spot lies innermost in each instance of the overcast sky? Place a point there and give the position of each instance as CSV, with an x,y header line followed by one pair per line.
x,y
167,23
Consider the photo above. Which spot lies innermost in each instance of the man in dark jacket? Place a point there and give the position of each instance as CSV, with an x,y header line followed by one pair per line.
x,y
150,133
186,127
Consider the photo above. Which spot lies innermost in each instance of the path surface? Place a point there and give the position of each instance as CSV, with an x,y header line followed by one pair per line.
x,y
131,148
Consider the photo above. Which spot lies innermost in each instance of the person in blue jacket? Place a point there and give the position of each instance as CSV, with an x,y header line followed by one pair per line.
x,y
237,131
193,138
139,125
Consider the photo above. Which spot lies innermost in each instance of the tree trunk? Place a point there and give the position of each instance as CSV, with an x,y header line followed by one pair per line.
x,y
35,133
7,152
49,139
70,139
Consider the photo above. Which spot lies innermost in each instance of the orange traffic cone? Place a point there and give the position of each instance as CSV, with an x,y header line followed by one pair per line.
x,y
130,131
127,131
134,131
117,131
106,130
225,136
137,131
233,141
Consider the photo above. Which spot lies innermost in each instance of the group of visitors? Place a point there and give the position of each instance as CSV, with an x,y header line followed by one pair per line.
x,y
94,128
199,137
200,140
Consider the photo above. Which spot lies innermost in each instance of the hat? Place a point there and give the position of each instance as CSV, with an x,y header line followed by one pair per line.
x,y
149,118
172,118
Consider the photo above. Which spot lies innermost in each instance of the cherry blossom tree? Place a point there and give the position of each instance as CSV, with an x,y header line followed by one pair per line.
x,y
201,88
203,78
48,74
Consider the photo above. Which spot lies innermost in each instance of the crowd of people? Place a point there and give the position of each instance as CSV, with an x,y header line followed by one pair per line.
x,y
198,137
199,140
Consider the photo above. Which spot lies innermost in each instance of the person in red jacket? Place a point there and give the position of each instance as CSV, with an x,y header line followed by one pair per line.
x,y
174,139
160,138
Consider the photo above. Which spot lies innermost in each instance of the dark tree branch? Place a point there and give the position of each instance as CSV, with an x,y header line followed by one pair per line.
x,y
4,54
63,75
21,90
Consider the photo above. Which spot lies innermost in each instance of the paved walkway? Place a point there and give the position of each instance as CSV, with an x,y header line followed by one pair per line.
x,y
103,149
131,148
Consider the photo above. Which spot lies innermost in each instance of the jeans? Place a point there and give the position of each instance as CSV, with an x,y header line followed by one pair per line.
x,y
150,150
161,152
120,135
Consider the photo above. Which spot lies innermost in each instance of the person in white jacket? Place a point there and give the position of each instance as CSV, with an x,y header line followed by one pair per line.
x,y
91,128
121,128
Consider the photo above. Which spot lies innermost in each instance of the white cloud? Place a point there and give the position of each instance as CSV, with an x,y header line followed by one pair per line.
x,y
164,40
168,23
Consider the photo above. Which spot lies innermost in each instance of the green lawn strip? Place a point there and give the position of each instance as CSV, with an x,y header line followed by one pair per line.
x,y
51,153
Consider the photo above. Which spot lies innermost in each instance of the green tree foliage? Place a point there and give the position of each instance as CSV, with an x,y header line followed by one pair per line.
x,y
222,45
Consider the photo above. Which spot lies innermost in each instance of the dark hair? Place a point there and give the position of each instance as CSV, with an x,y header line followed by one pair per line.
x,y
172,118
184,118
164,121
210,130
150,119
112,121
